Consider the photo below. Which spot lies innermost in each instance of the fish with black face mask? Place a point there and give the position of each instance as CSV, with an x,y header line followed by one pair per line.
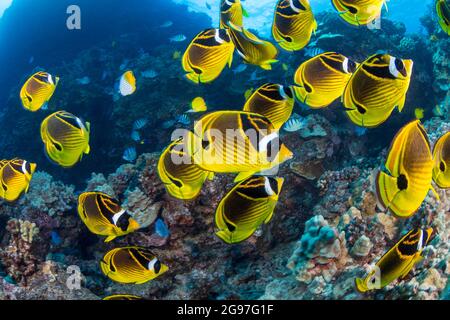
x,y
207,55
66,138
15,177
376,88
293,24
248,205
322,79
103,215
274,101
133,264
37,90
397,262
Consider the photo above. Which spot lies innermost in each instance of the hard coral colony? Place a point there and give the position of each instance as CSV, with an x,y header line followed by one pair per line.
x,y
289,190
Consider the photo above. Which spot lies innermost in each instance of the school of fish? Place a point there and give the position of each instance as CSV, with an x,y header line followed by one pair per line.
x,y
368,90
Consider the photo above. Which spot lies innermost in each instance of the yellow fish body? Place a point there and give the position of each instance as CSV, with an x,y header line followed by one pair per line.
x,y
127,83
252,49
231,11
15,177
441,156
198,105
207,55
406,180
181,177
397,262
293,24
359,12
66,138
248,205
322,79
237,142
443,12
104,216
377,86
273,101
135,265
37,90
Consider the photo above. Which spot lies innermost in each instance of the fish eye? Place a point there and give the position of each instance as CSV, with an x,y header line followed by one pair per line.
x,y
442,166
27,167
298,4
349,66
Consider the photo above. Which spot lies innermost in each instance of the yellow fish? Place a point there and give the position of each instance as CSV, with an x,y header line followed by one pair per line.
x,y
252,49
406,179
231,11
237,142
37,90
359,12
248,93
104,216
198,105
127,84
419,113
322,79
122,297
274,101
181,177
248,205
377,86
293,24
207,55
15,177
176,55
135,265
443,12
441,156
397,262
66,138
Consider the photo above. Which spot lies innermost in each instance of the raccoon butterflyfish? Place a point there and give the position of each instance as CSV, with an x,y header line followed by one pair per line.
x,y
66,138
377,86
207,55
397,262
128,297
15,177
198,104
405,180
293,24
441,156
231,11
322,79
37,90
359,12
181,177
127,83
135,265
252,49
274,101
248,205
443,12
237,142
103,215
